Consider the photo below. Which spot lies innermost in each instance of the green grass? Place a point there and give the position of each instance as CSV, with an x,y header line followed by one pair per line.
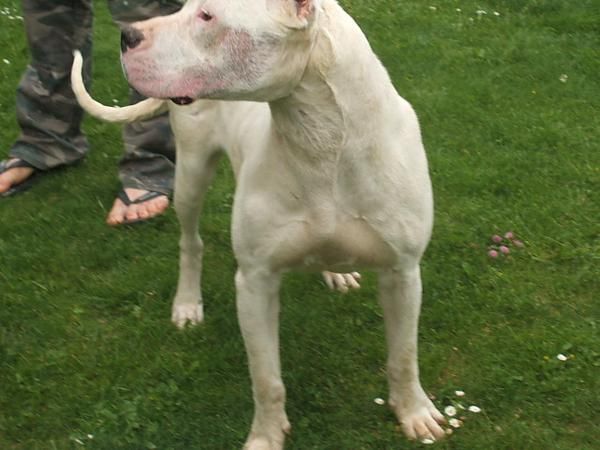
x,y
86,346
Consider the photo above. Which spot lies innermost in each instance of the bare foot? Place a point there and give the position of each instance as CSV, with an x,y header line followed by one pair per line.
x,y
14,176
122,213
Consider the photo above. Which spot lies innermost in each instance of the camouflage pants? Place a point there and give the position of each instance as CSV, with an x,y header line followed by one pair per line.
x,y
47,112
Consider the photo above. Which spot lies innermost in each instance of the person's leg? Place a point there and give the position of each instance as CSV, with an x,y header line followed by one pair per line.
x,y
47,111
148,164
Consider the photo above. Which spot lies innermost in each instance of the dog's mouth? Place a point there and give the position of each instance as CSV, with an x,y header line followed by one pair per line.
x,y
182,100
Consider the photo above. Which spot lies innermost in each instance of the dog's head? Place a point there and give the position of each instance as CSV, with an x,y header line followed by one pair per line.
x,y
222,49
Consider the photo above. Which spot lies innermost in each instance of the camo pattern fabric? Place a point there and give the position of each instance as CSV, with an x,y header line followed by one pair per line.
x,y
47,111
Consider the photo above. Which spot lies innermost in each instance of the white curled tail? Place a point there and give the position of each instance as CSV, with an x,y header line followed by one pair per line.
x,y
143,110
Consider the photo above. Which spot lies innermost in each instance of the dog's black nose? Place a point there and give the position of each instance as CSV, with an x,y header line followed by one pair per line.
x,y
130,38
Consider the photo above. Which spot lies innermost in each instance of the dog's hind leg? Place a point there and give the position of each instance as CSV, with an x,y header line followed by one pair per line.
x,y
197,158
400,298
258,313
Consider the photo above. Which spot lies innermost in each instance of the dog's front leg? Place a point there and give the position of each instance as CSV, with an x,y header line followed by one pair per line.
x,y
400,298
193,173
258,314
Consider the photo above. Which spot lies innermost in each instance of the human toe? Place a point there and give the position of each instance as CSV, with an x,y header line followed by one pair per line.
x,y
116,215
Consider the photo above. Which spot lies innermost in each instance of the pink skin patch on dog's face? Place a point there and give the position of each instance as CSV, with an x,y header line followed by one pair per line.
x,y
236,55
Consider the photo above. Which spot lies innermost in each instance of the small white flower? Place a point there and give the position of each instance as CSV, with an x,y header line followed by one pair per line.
x,y
459,393
458,10
90,436
450,410
496,13
480,12
427,441
560,356
563,79
6,61
474,409
454,422
433,8
379,401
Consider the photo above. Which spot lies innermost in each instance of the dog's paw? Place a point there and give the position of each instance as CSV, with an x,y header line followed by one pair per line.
x,y
262,444
187,313
419,419
270,438
342,282
256,442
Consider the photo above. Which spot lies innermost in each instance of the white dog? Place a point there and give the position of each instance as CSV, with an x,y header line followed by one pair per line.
x,y
331,172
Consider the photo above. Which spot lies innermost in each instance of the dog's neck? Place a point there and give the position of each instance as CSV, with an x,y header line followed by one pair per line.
x,y
313,120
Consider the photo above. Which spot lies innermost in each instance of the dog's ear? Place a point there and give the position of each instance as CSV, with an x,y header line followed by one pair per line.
x,y
295,13
305,9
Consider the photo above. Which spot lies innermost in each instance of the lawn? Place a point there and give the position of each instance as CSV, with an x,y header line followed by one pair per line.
x,y
508,97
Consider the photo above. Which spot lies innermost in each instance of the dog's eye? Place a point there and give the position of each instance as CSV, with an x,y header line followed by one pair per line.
x,y
205,15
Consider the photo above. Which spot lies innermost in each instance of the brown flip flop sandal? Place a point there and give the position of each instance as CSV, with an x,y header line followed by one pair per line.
x,y
122,195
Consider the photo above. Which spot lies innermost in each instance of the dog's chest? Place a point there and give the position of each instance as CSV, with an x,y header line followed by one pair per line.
x,y
320,238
